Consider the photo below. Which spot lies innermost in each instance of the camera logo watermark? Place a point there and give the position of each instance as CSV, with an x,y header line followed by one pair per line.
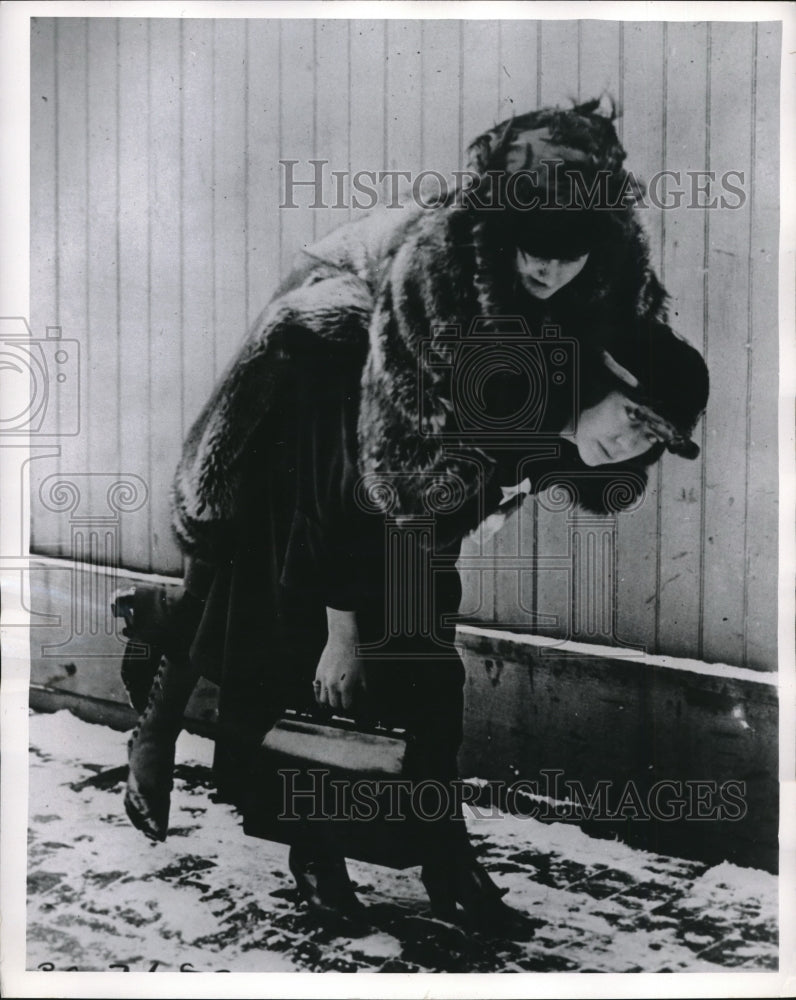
x,y
494,380
32,369
497,388
40,404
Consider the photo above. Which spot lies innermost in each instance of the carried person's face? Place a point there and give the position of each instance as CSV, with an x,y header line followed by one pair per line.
x,y
610,432
542,277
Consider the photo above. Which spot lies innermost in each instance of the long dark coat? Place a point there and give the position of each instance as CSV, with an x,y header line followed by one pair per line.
x,y
337,418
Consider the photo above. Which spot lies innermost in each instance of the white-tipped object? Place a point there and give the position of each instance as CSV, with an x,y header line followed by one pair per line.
x,y
608,107
620,371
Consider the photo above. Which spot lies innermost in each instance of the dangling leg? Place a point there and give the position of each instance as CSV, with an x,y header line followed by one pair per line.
x,y
145,610
171,627
151,747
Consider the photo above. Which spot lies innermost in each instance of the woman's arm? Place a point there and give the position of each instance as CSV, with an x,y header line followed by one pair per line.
x,y
336,550
340,677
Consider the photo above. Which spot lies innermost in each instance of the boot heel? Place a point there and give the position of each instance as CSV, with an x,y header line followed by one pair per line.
x,y
461,891
152,747
441,894
323,883
139,813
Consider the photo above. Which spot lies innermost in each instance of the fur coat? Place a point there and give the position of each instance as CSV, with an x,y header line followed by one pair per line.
x,y
396,286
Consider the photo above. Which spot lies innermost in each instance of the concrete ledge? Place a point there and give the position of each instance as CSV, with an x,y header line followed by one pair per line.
x,y
76,645
654,729
535,708
473,635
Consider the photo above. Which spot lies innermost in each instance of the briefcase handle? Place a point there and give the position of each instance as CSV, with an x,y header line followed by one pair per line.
x,y
360,725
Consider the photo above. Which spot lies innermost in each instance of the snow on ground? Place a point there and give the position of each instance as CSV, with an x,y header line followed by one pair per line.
x,y
100,895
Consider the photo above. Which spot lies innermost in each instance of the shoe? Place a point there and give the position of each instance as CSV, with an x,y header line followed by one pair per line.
x,y
323,883
148,811
152,746
461,892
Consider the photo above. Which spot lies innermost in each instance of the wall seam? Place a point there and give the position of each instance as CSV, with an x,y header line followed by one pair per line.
x,y
538,63
348,110
181,222
749,352
87,227
314,114
246,172
150,555
118,247
279,60
386,97
656,634
213,178
705,295
621,94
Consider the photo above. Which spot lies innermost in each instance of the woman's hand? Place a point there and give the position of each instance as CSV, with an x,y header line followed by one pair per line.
x,y
340,676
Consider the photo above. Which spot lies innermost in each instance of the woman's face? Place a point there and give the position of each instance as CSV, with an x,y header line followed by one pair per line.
x,y
609,432
543,277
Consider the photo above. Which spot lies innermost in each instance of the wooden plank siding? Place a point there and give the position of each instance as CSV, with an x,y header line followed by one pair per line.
x,y
683,255
157,237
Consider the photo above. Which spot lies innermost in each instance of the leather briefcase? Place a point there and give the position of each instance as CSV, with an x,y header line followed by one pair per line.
x,y
339,782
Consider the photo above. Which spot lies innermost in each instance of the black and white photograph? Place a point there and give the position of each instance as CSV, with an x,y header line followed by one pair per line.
x,y
397,469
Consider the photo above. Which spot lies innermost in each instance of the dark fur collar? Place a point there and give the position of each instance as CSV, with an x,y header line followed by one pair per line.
x,y
392,286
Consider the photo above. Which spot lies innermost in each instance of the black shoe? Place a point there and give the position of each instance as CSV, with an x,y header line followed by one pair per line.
x,y
151,748
461,892
148,813
323,883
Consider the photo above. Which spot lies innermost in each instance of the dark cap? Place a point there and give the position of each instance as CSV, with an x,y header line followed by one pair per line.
x,y
666,376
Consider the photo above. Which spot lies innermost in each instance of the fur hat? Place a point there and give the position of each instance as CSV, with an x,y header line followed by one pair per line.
x,y
558,171
583,135
541,183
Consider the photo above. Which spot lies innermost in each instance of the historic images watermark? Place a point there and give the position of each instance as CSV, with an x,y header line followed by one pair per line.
x,y
320,794
365,189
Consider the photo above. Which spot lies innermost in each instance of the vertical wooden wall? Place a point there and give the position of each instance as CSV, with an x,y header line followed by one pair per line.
x,y
157,237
